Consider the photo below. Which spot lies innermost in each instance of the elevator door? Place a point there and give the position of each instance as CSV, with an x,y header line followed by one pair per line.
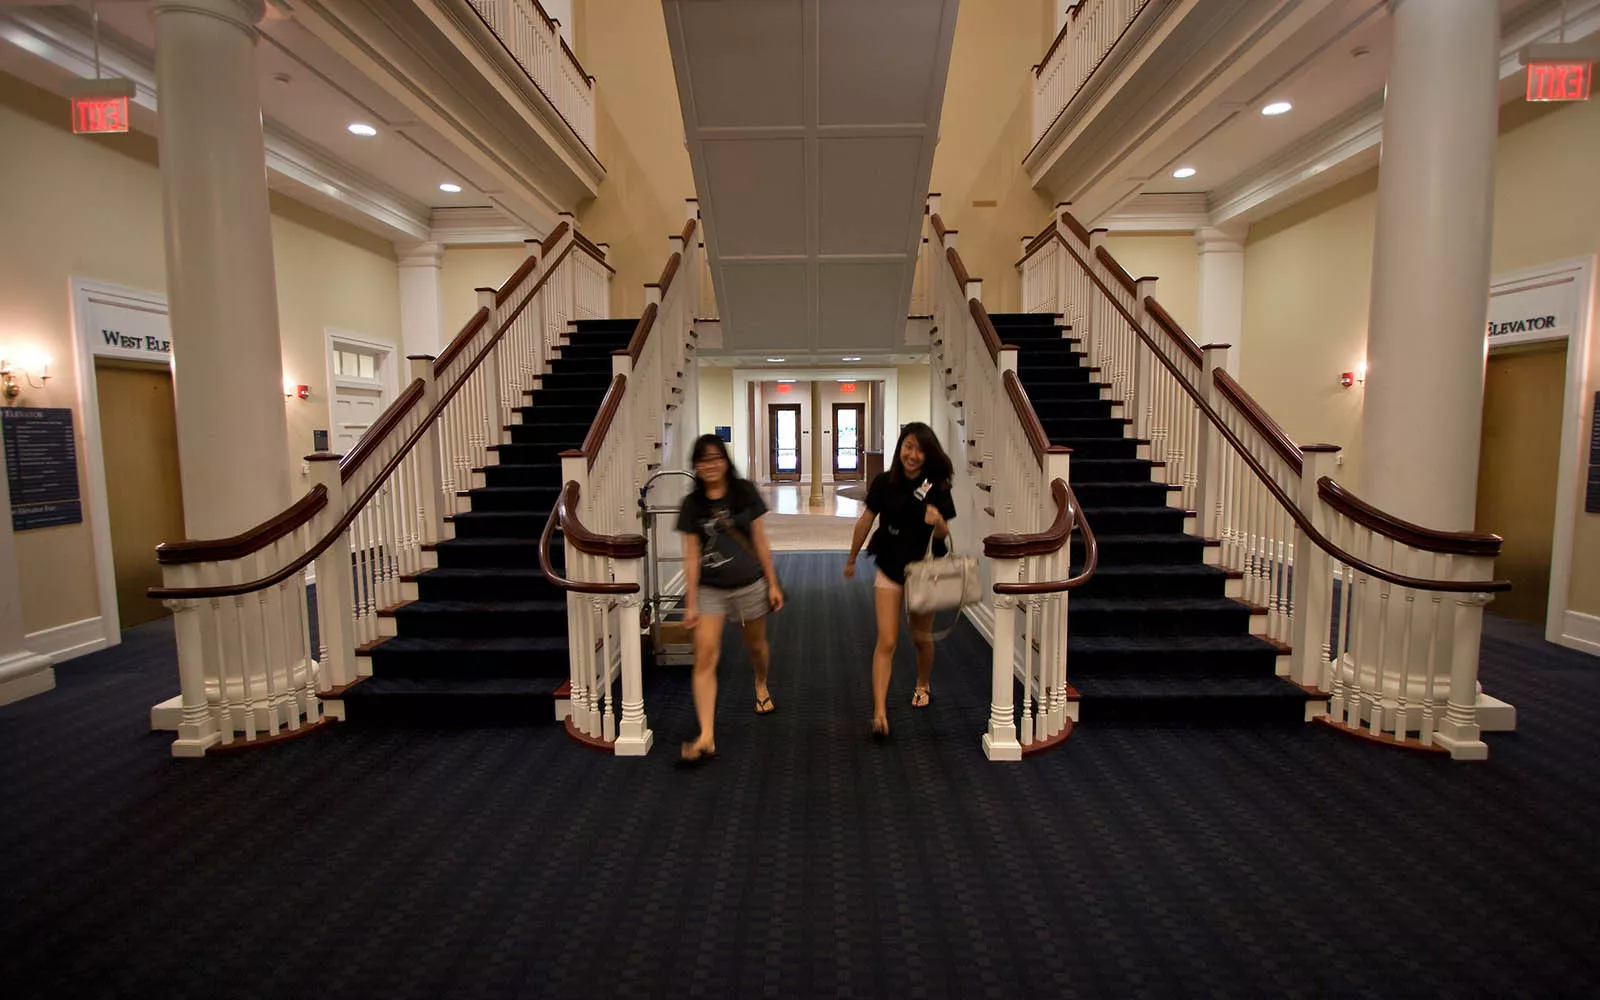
x,y
1517,471
139,438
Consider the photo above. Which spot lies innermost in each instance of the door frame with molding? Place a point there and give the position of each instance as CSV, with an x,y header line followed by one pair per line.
x,y
333,339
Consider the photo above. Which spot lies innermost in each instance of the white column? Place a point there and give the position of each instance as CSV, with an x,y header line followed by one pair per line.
x,y
227,361
22,673
1222,291
1430,269
420,266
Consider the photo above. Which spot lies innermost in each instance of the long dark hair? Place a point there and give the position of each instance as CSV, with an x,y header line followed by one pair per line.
x,y
702,444
936,465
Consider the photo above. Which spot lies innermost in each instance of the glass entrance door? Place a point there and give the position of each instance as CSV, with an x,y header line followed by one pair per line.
x,y
784,420
848,420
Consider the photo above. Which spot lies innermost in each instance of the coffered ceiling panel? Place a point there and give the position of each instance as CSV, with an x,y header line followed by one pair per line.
x,y
811,126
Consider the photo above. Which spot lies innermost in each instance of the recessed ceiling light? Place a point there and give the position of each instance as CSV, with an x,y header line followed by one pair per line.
x,y
450,188
1183,172
776,360
1277,108
850,359
361,128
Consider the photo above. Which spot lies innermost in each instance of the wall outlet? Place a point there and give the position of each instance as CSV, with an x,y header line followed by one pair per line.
x,y
305,470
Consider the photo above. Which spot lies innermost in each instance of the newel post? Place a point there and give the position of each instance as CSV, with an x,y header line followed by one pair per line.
x,y
490,371
197,730
1313,579
1143,372
1000,741
335,585
1459,731
1208,463
634,737
430,505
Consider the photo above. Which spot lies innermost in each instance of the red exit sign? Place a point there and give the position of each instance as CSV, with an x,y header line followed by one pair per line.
x,y
1560,81
100,114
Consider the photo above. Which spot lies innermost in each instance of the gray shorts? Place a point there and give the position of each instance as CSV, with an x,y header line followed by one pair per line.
x,y
744,604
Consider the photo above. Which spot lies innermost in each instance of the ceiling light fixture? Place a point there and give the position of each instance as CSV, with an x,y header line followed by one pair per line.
x,y
785,381
850,359
776,360
450,188
1183,172
1277,108
361,128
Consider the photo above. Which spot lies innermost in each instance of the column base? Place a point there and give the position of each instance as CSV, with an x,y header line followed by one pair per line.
x,y
1002,746
1461,739
167,716
23,675
195,743
634,745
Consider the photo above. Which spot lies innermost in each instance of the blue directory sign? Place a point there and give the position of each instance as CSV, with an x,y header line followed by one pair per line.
x,y
41,467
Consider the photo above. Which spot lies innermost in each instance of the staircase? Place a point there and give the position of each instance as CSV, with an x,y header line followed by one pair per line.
x,y
485,642
1154,638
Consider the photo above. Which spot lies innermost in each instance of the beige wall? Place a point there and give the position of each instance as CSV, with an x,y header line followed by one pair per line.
x,y
1308,285
462,272
984,133
90,207
1175,260
913,399
639,130
716,398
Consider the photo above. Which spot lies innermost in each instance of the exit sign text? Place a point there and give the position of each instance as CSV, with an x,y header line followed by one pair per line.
x,y
100,114
1559,81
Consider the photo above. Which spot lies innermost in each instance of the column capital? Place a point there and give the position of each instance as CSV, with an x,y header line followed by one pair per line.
x,y
244,14
1220,239
427,254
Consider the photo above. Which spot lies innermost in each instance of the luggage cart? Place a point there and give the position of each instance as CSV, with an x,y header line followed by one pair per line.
x,y
670,642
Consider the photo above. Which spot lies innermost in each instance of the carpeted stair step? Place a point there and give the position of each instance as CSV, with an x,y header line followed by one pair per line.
x,y
1065,392
1133,580
462,658
478,619
1182,701
563,394
618,325
523,499
1093,494
562,368
486,584
1054,374
560,413
1075,409
510,474
591,381
1071,429
1106,447
1026,320
533,454
1131,520
1097,657
427,703
591,348
1157,616
500,524
490,553
550,432
1112,470
1047,358
1144,550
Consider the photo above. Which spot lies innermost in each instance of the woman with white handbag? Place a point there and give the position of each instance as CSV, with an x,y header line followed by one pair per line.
x,y
912,504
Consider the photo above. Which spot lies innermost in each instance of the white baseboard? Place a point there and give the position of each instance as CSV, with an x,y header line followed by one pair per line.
x,y
23,675
65,642
1581,632
982,618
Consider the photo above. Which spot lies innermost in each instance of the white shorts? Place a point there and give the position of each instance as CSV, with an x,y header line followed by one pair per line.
x,y
881,582
742,604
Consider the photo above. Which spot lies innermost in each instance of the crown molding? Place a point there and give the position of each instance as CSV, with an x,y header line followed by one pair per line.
x,y
1343,147
479,226
1183,212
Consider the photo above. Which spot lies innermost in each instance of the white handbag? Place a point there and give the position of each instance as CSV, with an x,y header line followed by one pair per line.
x,y
945,583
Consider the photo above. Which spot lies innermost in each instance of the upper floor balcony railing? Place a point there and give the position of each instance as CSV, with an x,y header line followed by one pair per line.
x,y
533,39
1091,31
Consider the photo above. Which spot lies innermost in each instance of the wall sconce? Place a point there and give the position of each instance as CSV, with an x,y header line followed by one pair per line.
x,y
290,390
1348,379
35,370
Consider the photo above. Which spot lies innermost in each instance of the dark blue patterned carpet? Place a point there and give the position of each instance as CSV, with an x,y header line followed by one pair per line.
x,y
806,861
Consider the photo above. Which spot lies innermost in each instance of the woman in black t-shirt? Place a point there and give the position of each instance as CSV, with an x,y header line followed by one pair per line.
x,y
912,504
727,568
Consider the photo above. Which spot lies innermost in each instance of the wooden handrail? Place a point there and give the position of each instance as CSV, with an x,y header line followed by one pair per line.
x,y
938,226
253,540
1170,326
633,547
1076,227
1456,543
668,273
1060,37
1065,500
550,241
1016,545
688,233
602,422
1038,440
461,340
583,243
641,333
1260,420
380,429
356,506
991,336
1036,244
587,79
959,268
1123,277
510,287
1290,507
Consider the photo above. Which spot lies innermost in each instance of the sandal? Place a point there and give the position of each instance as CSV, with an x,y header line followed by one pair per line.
x,y
767,701
880,735
688,757
920,697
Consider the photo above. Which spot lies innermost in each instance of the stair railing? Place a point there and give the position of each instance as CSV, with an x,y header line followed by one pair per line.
x,y
1381,617
1092,30
533,39
598,515
1012,492
250,658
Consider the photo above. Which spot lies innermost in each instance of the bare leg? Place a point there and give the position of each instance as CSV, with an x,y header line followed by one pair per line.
x,y
922,638
707,650
755,641
887,605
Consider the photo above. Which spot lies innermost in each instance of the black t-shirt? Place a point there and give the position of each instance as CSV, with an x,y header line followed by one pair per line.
x,y
725,563
903,532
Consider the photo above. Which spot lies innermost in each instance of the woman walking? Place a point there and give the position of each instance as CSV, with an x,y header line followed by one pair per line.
x,y
727,567
912,503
